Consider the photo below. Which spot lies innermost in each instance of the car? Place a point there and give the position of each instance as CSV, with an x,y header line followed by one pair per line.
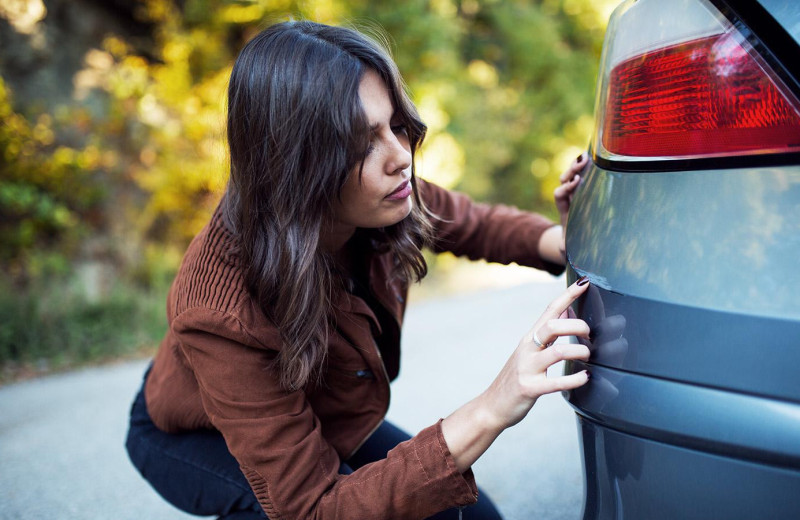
x,y
687,223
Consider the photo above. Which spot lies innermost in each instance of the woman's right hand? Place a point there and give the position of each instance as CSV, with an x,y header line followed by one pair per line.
x,y
524,377
470,430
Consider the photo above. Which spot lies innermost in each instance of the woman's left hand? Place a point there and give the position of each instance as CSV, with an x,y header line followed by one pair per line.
x,y
570,180
552,246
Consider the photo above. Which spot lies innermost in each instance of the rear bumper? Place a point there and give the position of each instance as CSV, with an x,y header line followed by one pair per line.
x,y
628,476
659,448
693,407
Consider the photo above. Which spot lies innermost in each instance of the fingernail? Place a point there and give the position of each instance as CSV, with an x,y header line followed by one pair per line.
x,y
583,280
588,374
580,158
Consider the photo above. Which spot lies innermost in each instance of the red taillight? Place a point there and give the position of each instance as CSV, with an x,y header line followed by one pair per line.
x,y
703,97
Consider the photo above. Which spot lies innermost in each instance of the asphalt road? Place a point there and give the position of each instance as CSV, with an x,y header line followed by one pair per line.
x,y
61,437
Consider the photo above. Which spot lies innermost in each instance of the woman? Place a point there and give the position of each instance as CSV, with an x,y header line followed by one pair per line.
x,y
268,393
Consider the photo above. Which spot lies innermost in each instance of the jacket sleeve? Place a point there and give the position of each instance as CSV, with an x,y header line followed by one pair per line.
x,y
277,440
495,233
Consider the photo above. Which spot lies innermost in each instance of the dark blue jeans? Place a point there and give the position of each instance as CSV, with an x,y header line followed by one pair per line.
x,y
196,473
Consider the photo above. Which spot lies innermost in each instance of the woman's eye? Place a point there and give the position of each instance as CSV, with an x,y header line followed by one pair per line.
x,y
399,129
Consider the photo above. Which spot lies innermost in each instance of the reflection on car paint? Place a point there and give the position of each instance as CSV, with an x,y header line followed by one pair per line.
x,y
664,237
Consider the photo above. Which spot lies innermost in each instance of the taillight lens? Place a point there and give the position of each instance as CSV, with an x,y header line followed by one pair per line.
x,y
698,92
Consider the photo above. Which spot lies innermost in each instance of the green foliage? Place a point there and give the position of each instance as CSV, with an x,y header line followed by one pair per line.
x,y
46,192
56,325
129,172
506,88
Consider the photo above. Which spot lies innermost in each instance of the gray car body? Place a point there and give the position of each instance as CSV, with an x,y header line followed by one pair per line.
x,y
693,407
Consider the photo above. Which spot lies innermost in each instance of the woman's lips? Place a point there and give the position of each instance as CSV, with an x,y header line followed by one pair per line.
x,y
402,191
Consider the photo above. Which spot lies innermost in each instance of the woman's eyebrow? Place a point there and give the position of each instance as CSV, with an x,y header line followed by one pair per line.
x,y
373,127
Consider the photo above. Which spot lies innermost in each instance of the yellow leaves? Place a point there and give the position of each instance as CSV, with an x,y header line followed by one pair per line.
x,y
117,47
129,78
255,12
15,132
432,113
176,50
23,15
172,82
89,158
63,156
151,112
470,7
97,59
593,14
324,11
563,149
441,160
97,65
503,98
540,168
214,151
445,8
492,89
212,90
148,156
184,188
241,14
156,10
482,74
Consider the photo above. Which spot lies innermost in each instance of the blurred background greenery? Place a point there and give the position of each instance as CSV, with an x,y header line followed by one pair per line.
x,y
113,155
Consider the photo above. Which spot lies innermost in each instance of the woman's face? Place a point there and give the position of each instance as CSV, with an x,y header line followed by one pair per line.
x,y
381,195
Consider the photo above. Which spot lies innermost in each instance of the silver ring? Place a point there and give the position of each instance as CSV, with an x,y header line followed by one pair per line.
x,y
538,342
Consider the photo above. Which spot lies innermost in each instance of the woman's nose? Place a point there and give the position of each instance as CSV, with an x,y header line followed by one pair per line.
x,y
400,155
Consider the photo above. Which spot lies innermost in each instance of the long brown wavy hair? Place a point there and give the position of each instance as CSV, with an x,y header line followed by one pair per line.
x,y
296,130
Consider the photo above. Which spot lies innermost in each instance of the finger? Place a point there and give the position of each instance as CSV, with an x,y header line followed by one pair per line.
x,y
561,383
564,300
573,183
560,352
576,166
569,173
567,190
561,191
551,330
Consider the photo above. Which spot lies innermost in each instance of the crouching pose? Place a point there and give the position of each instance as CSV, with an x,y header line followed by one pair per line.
x,y
267,396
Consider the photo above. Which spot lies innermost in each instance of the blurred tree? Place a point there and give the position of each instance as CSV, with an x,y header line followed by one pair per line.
x,y
507,85
46,193
121,143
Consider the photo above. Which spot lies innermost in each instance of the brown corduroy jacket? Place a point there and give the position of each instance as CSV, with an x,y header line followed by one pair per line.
x,y
214,370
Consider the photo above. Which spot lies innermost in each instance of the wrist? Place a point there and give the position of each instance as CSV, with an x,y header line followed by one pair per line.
x,y
470,430
487,416
551,245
